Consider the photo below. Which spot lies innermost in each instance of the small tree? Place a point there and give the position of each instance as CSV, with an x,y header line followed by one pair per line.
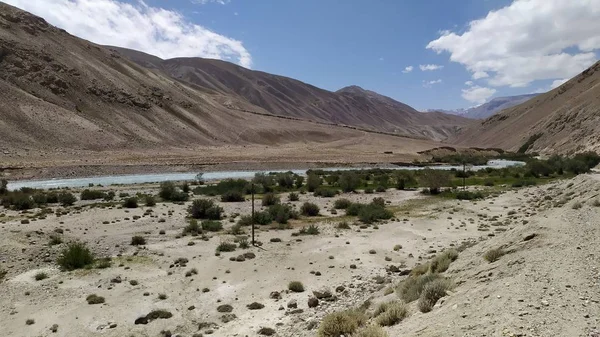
x,y
205,209
67,198
75,256
313,182
435,179
3,186
349,181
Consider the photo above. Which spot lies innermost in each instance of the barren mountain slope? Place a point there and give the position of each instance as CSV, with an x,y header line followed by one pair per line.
x,y
289,97
61,94
563,120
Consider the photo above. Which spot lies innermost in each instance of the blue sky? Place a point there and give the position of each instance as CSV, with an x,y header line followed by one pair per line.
x,y
513,47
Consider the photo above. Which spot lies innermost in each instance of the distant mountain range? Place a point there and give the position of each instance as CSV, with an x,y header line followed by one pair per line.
x,y
490,108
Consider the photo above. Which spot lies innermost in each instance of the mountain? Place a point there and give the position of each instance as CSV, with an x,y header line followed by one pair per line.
x,y
60,94
564,120
496,105
490,108
283,96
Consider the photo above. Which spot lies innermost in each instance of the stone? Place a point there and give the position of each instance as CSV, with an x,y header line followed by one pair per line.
x,y
292,304
313,302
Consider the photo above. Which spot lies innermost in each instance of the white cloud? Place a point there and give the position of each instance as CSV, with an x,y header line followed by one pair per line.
x,y
430,67
156,31
477,94
381,59
558,83
408,69
204,2
526,41
429,84
469,83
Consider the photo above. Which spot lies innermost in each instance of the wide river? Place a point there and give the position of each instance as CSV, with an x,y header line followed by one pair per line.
x,y
208,176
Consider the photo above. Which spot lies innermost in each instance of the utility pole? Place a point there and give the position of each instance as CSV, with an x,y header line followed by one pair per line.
x,y
252,222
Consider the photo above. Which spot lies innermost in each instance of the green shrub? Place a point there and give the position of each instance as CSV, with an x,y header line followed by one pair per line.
x,y
282,213
168,191
243,243
309,209
233,196
138,241
313,182
55,240
40,199
372,213
343,225
130,202
310,230
192,228
270,199
92,194
349,181
342,323
342,204
369,190
393,314
494,255
212,225
67,198
442,261
296,286
294,196
75,256
325,192
205,209
432,292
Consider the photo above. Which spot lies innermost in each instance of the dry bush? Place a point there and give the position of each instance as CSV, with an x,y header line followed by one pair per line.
x,y
394,313
296,286
410,289
371,331
432,292
342,323
494,255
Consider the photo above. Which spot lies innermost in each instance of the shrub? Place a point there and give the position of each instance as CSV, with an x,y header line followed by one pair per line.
x,y
30,321
342,323
299,181
393,314
494,255
94,299
67,198
342,204
138,241
212,225
205,209
310,230
40,199
162,296
432,292
410,289
75,256
434,179
285,180
369,190
349,181
40,276
309,209
577,205
270,199
380,189
236,229
130,202
168,191
226,246
313,182
325,193
442,261
343,225
233,196
109,196
282,213
55,240
150,201
468,195
156,314
192,228
372,213
296,286
244,244
371,331
92,194
294,196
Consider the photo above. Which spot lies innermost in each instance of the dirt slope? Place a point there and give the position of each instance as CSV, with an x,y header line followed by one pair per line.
x,y
289,97
64,96
565,120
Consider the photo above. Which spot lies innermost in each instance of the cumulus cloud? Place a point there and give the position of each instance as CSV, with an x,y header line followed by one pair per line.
x,y
408,69
469,83
156,31
429,84
526,41
477,94
430,67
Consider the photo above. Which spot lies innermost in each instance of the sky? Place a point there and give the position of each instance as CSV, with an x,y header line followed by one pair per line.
x,y
430,54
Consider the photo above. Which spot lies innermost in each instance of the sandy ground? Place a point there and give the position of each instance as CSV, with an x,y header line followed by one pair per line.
x,y
547,286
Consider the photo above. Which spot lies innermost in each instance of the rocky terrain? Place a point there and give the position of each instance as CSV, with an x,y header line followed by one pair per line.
x,y
563,120
544,284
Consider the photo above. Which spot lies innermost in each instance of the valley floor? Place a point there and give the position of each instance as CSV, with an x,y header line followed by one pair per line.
x,y
545,286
